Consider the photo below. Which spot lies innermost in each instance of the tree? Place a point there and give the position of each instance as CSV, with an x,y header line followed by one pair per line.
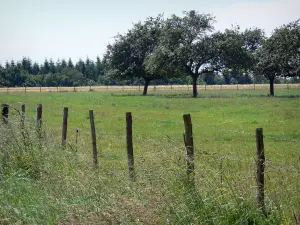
x,y
35,68
58,67
70,63
45,68
81,67
7,65
184,45
187,44
125,59
3,79
63,64
99,67
14,76
267,65
52,67
91,70
280,54
26,65
71,77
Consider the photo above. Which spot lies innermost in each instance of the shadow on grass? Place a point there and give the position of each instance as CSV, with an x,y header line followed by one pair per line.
x,y
204,95
288,96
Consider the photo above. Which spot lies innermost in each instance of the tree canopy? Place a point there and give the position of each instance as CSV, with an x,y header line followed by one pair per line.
x,y
280,54
189,45
125,59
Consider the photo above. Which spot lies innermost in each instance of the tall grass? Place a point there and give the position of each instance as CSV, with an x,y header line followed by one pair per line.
x,y
44,183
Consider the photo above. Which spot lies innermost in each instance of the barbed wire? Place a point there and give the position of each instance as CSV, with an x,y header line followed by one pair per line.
x,y
82,131
175,122
267,163
279,167
282,139
222,129
195,125
153,141
155,119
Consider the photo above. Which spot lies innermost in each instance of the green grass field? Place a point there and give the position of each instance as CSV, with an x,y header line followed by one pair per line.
x,y
43,183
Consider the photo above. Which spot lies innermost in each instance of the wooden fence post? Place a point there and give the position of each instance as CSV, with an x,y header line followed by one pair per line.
x,y
237,87
221,169
22,115
64,127
76,138
297,218
93,136
25,89
5,112
260,168
40,89
129,145
39,111
189,146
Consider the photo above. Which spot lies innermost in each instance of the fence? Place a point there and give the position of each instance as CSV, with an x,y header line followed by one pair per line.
x,y
151,88
261,163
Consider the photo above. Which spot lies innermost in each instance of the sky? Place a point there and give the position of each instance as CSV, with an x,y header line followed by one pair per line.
x,y
60,29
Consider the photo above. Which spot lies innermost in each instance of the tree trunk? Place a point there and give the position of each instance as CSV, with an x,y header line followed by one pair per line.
x,y
147,81
195,92
272,86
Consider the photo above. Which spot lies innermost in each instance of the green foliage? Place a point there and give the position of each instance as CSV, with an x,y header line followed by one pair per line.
x,y
279,55
125,59
188,45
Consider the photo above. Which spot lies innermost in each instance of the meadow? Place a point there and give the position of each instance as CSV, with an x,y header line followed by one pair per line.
x,y
44,183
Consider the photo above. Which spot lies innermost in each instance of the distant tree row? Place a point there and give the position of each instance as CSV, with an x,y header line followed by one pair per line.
x,y
66,73
60,73
177,50
188,45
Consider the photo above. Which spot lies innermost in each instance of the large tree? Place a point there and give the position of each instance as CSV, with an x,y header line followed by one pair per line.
x,y
280,54
125,58
184,45
187,44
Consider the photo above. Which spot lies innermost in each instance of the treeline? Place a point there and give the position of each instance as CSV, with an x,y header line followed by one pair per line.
x,y
176,50
60,73
88,72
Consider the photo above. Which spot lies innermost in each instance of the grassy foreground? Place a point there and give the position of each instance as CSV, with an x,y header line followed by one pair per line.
x,y
43,183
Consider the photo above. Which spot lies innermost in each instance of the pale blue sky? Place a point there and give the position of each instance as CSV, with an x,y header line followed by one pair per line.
x,y
56,29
